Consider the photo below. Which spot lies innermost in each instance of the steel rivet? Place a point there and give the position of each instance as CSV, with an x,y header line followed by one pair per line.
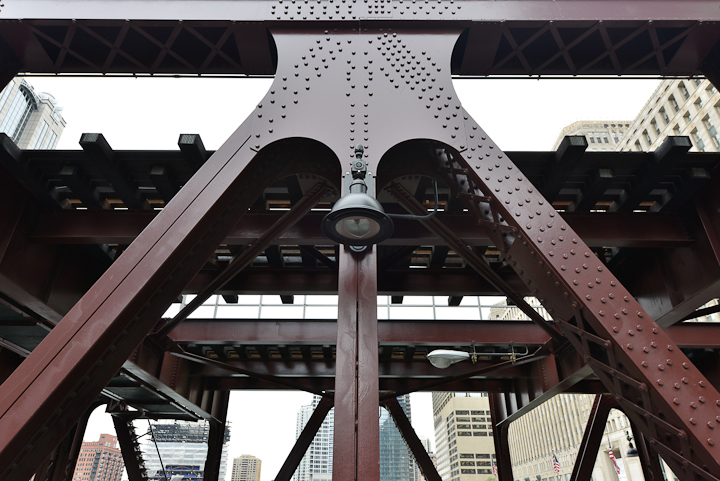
x,y
669,348
644,364
686,365
701,399
660,382
615,329
661,367
602,313
631,332
676,401
711,442
693,405
603,300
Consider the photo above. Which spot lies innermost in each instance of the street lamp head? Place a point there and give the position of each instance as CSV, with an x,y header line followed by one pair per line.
x,y
357,219
443,358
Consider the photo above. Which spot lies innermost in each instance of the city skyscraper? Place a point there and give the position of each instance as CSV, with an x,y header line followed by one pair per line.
x,y
31,120
99,460
396,461
463,436
246,468
183,449
317,463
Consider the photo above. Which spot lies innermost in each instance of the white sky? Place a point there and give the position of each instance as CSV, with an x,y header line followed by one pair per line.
x,y
147,113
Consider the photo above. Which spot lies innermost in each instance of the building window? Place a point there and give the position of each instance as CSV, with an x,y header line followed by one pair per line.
x,y
684,90
18,114
638,147
687,117
664,115
697,82
698,104
655,127
712,131
698,140
674,103
647,138
710,91
676,129
592,139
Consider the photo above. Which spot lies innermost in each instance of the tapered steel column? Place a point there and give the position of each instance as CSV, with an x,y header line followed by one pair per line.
x,y
304,440
500,428
356,452
216,437
411,439
592,437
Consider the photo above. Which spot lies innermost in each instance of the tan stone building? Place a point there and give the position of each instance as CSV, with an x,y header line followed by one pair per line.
x,y
246,468
688,107
463,436
601,135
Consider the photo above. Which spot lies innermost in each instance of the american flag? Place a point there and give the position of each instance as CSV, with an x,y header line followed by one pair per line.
x,y
494,469
612,458
556,464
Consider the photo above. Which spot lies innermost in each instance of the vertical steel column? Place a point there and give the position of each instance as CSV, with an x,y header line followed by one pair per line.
x,y
501,429
649,459
216,438
305,439
592,437
356,442
132,457
411,439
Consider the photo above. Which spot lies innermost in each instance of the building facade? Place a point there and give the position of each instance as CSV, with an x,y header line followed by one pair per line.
x,y
601,135
99,460
182,447
687,107
31,120
246,468
463,436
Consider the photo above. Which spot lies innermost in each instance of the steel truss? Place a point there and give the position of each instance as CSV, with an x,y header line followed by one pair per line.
x,y
349,73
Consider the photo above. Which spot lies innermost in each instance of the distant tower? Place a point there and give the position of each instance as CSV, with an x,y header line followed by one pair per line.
x,y
99,460
32,121
246,468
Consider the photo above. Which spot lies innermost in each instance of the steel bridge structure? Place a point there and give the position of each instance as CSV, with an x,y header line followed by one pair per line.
x,y
621,248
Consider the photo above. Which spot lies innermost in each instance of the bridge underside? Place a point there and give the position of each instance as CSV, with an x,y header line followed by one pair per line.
x,y
621,248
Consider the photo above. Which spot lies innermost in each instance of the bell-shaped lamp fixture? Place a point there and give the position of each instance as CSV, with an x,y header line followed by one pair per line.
x,y
357,219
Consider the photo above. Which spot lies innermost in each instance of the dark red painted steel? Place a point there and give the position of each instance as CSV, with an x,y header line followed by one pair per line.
x,y
216,436
501,438
51,389
592,437
130,448
305,439
597,229
256,247
368,434
345,444
411,439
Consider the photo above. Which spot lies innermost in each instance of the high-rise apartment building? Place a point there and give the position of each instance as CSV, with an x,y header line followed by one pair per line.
x,y
463,436
99,460
688,107
396,461
183,449
246,468
317,463
32,121
426,444
601,135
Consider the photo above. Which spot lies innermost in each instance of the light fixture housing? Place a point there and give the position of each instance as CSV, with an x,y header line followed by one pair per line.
x,y
444,358
357,219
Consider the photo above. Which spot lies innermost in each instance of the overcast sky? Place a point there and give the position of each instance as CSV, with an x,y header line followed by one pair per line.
x,y
146,113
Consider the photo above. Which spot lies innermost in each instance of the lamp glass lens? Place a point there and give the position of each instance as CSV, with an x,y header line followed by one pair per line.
x,y
357,227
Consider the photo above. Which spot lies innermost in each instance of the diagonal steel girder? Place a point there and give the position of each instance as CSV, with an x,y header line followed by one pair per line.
x,y
379,87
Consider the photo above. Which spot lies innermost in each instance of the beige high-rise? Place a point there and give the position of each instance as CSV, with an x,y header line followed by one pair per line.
x,y
31,120
463,436
246,468
99,460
